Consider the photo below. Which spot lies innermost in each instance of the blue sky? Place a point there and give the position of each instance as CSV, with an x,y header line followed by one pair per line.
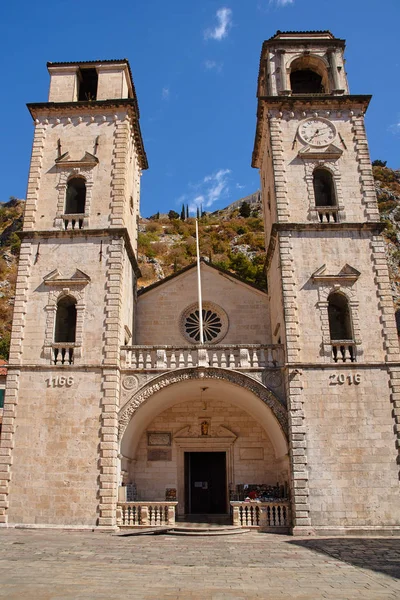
x,y
195,67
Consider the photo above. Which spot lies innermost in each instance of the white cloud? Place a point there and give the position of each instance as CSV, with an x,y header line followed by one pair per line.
x,y
213,65
224,23
281,2
212,188
395,128
240,187
206,192
165,93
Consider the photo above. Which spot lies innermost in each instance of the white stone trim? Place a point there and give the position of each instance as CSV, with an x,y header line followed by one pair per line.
x,y
153,386
310,166
65,174
279,167
324,291
367,184
203,444
35,174
54,297
325,76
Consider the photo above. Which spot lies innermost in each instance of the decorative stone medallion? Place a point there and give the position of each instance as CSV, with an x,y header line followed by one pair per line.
x,y
273,379
130,383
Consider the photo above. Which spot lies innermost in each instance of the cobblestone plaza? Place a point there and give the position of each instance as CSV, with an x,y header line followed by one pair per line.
x,y
54,565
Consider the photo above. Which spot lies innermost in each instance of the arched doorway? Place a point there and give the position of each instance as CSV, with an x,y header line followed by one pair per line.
x,y
207,435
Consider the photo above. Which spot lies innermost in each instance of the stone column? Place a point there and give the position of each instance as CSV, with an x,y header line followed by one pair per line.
x,y
284,83
334,69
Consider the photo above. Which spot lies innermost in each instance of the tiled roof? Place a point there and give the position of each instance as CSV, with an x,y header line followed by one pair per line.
x,y
279,32
88,62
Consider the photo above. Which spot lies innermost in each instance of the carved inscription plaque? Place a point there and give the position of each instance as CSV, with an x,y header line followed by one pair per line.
x,y
251,454
158,438
156,454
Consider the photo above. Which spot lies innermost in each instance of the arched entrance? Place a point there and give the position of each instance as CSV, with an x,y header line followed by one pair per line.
x,y
203,434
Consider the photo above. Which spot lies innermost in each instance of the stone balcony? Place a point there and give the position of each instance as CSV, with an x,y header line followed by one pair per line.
x,y
232,356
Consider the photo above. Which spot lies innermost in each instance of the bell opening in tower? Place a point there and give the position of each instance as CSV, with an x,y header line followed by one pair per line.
x,y
306,81
88,79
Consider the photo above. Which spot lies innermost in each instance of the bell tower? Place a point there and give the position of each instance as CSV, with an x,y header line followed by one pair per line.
x,y
75,299
331,303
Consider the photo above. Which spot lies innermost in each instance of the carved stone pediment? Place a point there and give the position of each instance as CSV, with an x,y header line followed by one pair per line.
x,y
347,274
56,278
191,435
88,160
185,432
331,152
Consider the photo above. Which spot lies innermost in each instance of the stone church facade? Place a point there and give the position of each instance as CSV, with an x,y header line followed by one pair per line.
x,y
288,414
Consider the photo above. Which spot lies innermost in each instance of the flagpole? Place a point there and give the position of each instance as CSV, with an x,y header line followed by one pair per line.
x,y
199,285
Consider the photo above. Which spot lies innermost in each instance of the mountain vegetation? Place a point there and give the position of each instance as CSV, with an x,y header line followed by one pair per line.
x,y
232,239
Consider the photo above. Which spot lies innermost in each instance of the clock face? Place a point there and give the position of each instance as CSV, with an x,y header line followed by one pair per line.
x,y
317,132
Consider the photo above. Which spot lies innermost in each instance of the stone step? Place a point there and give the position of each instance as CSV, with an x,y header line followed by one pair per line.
x,y
207,531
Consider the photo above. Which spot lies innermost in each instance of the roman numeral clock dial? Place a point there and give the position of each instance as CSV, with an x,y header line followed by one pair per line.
x,y
317,132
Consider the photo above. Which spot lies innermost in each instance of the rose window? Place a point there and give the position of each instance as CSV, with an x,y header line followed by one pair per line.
x,y
212,325
215,323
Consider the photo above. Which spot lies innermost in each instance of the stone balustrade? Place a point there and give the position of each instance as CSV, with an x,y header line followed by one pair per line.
x,y
146,514
62,353
328,214
343,350
162,358
74,221
263,515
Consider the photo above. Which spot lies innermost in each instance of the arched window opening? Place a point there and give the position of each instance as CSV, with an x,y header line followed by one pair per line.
x,y
306,81
65,331
309,75
65,321
88,80
76,196
325,196
340,328
339,317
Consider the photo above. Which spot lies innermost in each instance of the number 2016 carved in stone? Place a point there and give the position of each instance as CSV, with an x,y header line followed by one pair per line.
x,y
342,378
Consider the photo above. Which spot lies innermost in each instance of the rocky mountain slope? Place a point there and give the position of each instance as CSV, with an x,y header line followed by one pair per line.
x,y
387,185
231,238
10,223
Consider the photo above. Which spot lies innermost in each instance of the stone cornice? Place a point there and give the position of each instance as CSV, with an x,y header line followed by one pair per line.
x,y
375,227
46,110
34,236
318,36
339,366
298,101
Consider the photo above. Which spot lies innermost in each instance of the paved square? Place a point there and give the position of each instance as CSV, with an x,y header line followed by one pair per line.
x,y
63,565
